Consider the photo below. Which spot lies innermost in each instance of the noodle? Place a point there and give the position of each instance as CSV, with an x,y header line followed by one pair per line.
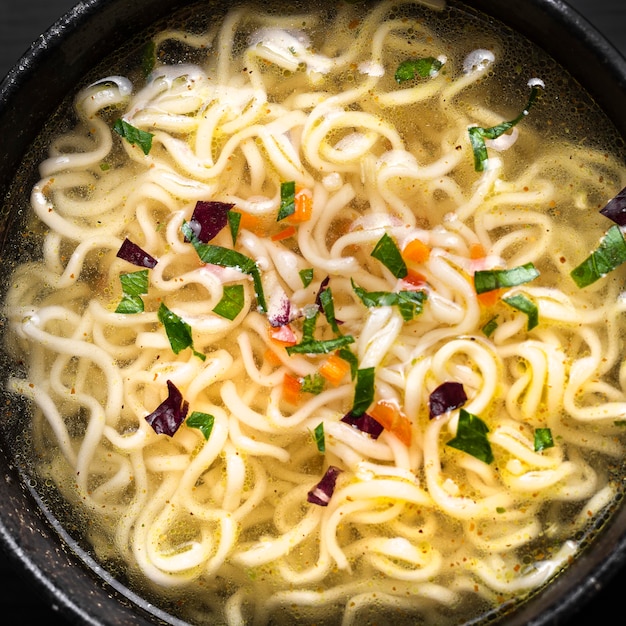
x,y
414,527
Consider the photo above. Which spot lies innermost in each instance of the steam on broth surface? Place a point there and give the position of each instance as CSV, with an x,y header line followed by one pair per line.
x,y
317,258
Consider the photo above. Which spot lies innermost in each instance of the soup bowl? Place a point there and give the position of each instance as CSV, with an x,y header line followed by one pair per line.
x,y
47,546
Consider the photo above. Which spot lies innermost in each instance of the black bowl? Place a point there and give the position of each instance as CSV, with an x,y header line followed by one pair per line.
x,y
70,585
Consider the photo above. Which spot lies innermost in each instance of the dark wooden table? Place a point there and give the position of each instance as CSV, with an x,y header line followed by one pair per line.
x,y
21,21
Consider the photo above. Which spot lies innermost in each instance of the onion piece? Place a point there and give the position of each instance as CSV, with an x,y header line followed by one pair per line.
x,y
170,414
323,491
446,397
132,253
208,218
365,423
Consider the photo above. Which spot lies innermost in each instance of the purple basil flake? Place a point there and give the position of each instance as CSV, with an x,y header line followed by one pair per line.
x,y
322,492
446,397
365,423
208,218
615,208
278,308
132,253
170,414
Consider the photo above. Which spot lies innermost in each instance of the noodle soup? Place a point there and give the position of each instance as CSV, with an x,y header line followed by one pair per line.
x,y
325,323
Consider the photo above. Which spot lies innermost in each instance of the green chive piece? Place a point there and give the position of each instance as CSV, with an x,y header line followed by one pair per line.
x,y
318,436
178,331
306,276
543,439
490,326
231,303
471,437
134,136
287,200
363,391
412,68
203,421
609,254
526,306
488,280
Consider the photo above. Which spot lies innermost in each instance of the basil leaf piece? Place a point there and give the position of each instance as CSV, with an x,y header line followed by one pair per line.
x,y
610,253
234,221
528,307
202,421
130,305
318,437
306,276
178,331
410,303
134,136
488,280
490,326
231,303
477,134
320,347
328,306
387,252
347,355
422,68
134,285
287,200
471,437
363,391
543,439
148,58
313,383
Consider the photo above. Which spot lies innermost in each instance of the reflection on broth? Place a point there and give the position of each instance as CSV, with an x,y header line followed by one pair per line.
x,y
326,324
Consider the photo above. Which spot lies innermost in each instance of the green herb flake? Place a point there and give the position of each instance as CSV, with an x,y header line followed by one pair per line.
x,y
287,200
318,437
328,306
130,305
178,331
134,285
148,58
202,421
363,391
489,280
313,383
525,305
104,167
413,68
477,134
500,509
347,355
490,327
471,437
543,439
387,252
619,423
306,276
410,303
134,136
231,303
234,222
320,347
610,254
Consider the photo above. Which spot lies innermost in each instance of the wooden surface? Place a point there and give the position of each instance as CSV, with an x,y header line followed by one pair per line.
x,y
21,21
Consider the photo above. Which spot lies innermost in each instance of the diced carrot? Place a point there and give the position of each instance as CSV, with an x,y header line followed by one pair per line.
x,y
285,233
271,357
415,278
252,222
416,251
391,418
334,369
489,298
477,251
292,389
283,335
304,207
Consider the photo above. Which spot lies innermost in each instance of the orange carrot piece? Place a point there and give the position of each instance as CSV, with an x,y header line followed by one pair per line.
x,y
392,419
477,251
271,357
292,389
416,251
489,298
334,369
415,278
251,222
304,207
285,233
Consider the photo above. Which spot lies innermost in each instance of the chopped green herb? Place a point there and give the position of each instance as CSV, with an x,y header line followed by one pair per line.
x,y
422,68
306,276
148,58
543,439
320,347
130,304
500,509
608,255
313,383
471,437
134,285
231,303
318,436
133,135
178,331
203,421
347,355
328,306
522,303
490,326
287,200
387,252
619,423
234,221
410,303
363,391
105,167
478,134
488,280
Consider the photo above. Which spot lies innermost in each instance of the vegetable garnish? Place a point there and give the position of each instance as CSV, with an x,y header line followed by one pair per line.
x,y
615,208
287,200
363,391
225,257
490,326
292,389
134,136
313,383
310,345
202,421
134,285
323,491
488,280
422,68
349,357
178,331
606,257
410,303
471,437
148,58
231,303
208,218
391,418
170,414
234,221
335,368
365,423
318,437
477,134
132,253
387,252
306,276
543,439
328,306
448,396
525,305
